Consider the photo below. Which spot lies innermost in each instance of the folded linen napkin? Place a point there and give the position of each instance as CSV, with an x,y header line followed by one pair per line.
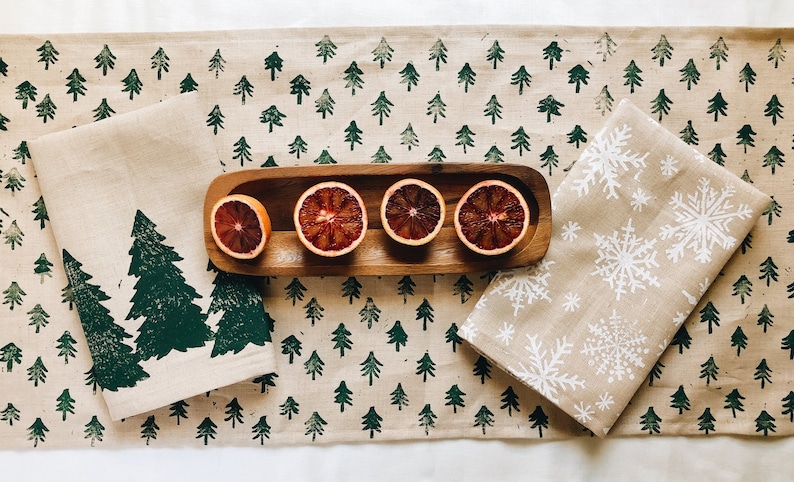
x,y
125,197
641,226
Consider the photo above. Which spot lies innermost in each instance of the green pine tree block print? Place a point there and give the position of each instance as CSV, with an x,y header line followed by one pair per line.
x,y
115,364
245,320
172,321
261,430
149,429
371,421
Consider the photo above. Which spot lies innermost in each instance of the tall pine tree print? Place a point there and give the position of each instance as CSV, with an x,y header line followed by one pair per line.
x,y
115,364
171,320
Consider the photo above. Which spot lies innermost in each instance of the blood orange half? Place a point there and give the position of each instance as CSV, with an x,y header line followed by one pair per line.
x,y
330,219
240,226
492,217
412,212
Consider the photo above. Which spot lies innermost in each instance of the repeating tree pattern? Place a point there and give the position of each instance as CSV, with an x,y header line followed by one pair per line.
x,y
379,358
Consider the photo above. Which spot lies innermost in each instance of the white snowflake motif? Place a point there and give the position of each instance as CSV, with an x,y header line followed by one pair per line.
x,y
569,231
506,333
605,401
469,331
639,199
616,345
702,221
543,373
523,286
583,414
572,301
625,261
668,165
604,158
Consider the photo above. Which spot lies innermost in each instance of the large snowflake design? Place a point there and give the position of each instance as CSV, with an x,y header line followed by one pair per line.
x,y
624,261
543,373
523,286
702,221
616,346
604,160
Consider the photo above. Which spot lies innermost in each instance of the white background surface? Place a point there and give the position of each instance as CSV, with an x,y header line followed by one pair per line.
x,y
641,458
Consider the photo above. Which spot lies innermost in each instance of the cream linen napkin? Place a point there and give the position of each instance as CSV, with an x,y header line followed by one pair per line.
x,y
642,225
125,196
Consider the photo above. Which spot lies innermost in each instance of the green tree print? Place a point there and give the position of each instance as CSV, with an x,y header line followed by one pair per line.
x,y
14,182
37,372
21,152
26,92
234,412
788,405
774,109
717,154
10,414
261,430
381,156
773,209
539,420
160,62
466,76
747,75
733,402
493,109
690,74
549,159
662,51
10,354
188,84
552,53
295,290
405,287
265,381
606,46
603,101
353,78
149,429
717,106
353,134
680,400
773,159
3,121
438,53
13,237
650,421
289,408
710,315
300,86
273,63
482,369
742,287
37,432
397,335
745,135
314,311
132,83
314,425
577,136
768,270
103,110
215,119
244,88
424,312
179,410
465,137
65,346
578,76
483,418
777,53
216,63
454,397
550,106
763,373
171,320
371,421
521,78
409,76
655,373
43,267
47,54
495,54
325,48
436,155
632,76
381,107
242,151
314,365
427,419
463,288
382,53
425,366
341,339
398,397
765,423
371,367
65,403
788,344
408,137
706,421
291,346
370,313
325,158
452,336
272,117
719,52
709,370
739,340
206,430
436,107
105,60
351,288
3,67
46,108
510,401
661,104
297,146
38,317
343,396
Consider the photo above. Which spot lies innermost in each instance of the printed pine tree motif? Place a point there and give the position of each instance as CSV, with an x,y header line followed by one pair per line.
x,y
483,418
482,369
325,158
103,110
234,412
206,430
427,419
314,425
244,320
650,422
521,78
381,107
493,109
66,344
10,414
273,63
436,107
353,135
788,344
397,335
325,48
343,396
733,402
510,401
65,403
788,405
265,381
38,317
398,397
351,288
452,336
291,346
178,410
3,67
454,397
774,109
382,53
578,76
21,152
425,366
765,318
132,83
353,78
606,46
409,76
272,117
436,155
314,365
371,367
520,140
717,106
632,76
47,54
552,53
550,106
773,158
777,53
90,380
577,136
424,312
768,270
765,423
314,311
717,154
742,288
37,432
688,134
745,135
690,74
710,315
9,355
295,290
719,52
12,295
466,76
709,370
188,84
763,373
242,151
706,421
171,320
539,420
739,340
43,267
371,421
405,288
603,101
747,75
14,182
46,108
381,156
37,372
300,86
160,62
244,89
549,159
216,63
463,288
215,119
370,313
341,339
662,51
680,400
105,60
261,430
149,429
325,103
438,53
773,209
408,137
27,92
465,137
655,373
3,121
40,210
495,54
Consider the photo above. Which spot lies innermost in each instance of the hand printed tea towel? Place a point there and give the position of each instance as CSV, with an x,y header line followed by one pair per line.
x,y
642,225
125,197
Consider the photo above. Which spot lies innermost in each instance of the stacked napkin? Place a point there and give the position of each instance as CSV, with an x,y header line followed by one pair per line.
x,y
125,196
641,226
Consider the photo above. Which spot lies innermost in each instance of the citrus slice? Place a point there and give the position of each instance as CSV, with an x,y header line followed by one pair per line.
x,y
240,226
412,212
330,219
492,217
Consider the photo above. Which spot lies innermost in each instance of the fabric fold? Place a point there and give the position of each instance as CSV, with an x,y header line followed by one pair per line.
x,y
125,197
642,225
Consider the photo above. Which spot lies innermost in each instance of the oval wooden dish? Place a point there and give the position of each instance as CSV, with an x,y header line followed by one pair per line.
x,y
278,188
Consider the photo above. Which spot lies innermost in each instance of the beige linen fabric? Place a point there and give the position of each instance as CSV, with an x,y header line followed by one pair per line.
x,y
641,225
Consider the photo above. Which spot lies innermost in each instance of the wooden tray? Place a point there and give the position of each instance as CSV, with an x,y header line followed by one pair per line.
x,y
278,188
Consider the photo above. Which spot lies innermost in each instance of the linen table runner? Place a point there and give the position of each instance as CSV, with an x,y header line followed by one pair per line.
x,y
522,94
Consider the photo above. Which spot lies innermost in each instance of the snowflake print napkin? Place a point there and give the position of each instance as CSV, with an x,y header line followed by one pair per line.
x,y
642,225
125,196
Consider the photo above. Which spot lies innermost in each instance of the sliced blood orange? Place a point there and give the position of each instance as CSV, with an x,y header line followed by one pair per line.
x,y
492,217
412,212
330,219
240,226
